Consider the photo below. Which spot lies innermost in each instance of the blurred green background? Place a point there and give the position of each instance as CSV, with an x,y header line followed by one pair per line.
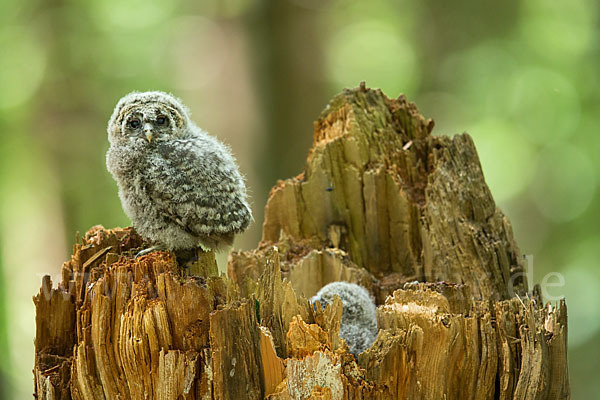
x,y
521,76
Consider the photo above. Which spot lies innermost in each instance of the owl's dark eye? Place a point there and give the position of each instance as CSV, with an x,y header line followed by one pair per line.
x,y
134,123
161,120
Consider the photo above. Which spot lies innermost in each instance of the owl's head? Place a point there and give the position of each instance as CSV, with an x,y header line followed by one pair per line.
x,y
153,116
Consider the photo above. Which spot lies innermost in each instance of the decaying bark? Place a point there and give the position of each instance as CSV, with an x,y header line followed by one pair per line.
x,y
382,203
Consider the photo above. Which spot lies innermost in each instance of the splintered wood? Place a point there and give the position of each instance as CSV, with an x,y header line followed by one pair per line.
x,y
381,203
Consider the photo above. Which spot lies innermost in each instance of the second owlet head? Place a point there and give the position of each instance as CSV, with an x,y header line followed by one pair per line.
x,y
359,313
180,187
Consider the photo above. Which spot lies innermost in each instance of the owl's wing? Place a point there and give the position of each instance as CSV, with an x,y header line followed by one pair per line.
x,y
200,188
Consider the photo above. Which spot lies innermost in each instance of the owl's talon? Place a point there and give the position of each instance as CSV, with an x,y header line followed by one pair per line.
x,y
203,248
146,251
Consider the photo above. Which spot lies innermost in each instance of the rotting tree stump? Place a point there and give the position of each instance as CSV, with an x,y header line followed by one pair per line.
x,y
382,203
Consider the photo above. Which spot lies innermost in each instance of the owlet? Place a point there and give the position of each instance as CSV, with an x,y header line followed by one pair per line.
x,y
180,187
359,313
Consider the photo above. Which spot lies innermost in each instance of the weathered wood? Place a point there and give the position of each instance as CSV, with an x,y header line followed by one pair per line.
x,y
382,203
401,200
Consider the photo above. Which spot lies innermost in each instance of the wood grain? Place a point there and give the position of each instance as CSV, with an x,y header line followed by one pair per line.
x,y
383,203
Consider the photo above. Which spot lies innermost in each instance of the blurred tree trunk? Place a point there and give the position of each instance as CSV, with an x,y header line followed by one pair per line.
x,y
382,203
288,57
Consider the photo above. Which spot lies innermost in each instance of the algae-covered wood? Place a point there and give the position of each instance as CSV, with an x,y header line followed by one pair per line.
x,y
381,202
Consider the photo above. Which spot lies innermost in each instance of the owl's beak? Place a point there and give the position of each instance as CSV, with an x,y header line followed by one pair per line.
x,y
148,132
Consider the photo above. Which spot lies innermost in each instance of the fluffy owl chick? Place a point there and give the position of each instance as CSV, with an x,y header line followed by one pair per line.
x,y
359,322
180,187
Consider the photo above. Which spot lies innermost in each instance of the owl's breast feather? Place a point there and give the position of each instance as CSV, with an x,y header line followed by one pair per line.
x,y
123,161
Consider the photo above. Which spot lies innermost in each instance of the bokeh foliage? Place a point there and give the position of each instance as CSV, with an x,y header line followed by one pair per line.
x,y
521,76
